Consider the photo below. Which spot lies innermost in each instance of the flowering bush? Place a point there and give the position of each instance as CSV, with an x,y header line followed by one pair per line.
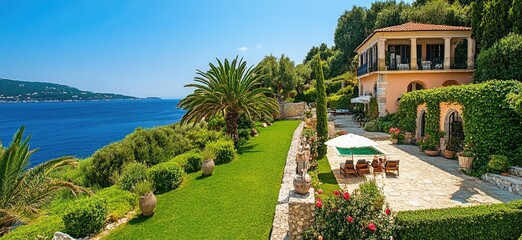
x,y
395,132
429,142
468,150
351,216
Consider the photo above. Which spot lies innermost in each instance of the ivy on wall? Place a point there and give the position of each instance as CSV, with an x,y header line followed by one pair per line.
x,y
490,125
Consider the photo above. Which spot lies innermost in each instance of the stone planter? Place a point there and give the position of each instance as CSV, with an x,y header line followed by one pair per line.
x,y
431,153
449,154
208,167
302,183
395,140
465,162
147,204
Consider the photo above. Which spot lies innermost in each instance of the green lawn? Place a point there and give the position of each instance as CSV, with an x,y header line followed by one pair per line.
x,y
236,202
327,180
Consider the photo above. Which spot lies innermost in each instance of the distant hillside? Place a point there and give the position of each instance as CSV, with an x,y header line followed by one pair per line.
x,y
21,91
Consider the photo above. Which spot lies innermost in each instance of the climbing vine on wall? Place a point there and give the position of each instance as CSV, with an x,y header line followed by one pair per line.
x,y
489,122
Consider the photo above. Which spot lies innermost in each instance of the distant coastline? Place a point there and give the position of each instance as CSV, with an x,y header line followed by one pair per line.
x,y
72,100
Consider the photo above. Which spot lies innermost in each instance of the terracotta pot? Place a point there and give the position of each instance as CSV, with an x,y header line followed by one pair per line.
x,y
302,183
465,162
431,153
449,154
208,167
505,174
395,140
147,204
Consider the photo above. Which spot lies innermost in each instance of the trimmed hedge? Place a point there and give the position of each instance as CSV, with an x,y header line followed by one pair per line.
x,y
225,151
490,124
119,202
87,216
495,221
190,161
166,176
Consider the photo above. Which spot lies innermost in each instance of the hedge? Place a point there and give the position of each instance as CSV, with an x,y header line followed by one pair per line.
x,y
190,161
86,217
490,124
166,176
119,202
501,61
495,221
44,226
131,174
225,151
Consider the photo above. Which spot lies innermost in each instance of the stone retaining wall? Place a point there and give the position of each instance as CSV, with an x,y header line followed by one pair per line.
x,y
292,110
517,171
511,184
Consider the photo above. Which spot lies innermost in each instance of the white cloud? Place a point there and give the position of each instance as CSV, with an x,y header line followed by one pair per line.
x,y
242,49
259,46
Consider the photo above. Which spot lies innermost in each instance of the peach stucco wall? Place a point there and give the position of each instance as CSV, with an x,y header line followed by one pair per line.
x,y
398,83
366,84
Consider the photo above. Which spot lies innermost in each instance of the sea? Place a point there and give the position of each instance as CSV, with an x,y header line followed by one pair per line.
x,y
80,128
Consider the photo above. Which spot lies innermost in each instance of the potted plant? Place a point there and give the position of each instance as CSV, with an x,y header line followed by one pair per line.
x,y
451,146
466,156
395,133
145,190
207,166
430,145
499,164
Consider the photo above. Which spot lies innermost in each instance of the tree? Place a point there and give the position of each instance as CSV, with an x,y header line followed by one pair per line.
x,y
350,31
495,23
268,68
391,16
23,191
286,77
304,77
515,14
321,111
231,89
439,12
502,61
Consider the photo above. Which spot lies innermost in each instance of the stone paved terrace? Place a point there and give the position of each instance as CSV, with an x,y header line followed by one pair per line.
x,y
424,182
346,123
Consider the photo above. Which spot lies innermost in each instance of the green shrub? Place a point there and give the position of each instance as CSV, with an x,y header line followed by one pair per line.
x,y
224,150
339,101
499,163
143,188
372,126
495,221
131,174
371,192
41,228
119,202
166,176
87,216
516,204
107,161
501,61
346,216
190,161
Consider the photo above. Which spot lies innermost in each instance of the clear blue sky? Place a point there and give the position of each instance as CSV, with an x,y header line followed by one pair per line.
x,y
153,48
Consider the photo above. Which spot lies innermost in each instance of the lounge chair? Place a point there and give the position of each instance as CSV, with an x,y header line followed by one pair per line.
x,y
391,165
347,167
362,167
377,166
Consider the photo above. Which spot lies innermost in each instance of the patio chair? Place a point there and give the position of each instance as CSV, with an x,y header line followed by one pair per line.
x,y
391,165
347,167
377,166
362,167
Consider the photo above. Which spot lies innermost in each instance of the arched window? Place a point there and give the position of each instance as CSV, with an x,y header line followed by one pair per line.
x,y
454,129
375,89
450,83
415,86
421,124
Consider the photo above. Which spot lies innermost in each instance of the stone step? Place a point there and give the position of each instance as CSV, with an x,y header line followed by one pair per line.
x,y
517,171
511,183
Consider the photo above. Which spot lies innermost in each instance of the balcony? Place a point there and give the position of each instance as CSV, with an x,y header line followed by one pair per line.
x,y
459,62
367,68
430,64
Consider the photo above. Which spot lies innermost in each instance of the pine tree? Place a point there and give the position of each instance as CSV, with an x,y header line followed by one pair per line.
x,y
321,111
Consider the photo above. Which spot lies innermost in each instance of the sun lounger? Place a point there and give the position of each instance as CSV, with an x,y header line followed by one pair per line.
x,y
391,165
362,167
347,167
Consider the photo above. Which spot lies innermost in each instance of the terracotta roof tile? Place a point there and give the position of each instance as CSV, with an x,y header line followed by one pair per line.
x,y
411,26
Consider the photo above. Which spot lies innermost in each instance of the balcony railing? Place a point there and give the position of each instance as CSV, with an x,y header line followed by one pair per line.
x,y
362,70
404,64
430,64
459,62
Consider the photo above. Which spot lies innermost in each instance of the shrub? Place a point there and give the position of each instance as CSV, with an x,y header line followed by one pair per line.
x,y
119,202
166,176
87,216
75,174
495,221
351,217
190,161
143,188
107,161
501,61
224,150
370,191
41,228
499,163
131,174
339,101
372,126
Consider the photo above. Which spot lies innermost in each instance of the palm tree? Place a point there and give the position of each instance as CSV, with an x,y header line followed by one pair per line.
x,y
231,89
23,191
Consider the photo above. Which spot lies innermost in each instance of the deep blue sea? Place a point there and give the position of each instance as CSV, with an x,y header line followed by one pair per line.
x,y
80,128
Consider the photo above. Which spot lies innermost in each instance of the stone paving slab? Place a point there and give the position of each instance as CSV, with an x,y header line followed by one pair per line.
x,y
424,182
347,123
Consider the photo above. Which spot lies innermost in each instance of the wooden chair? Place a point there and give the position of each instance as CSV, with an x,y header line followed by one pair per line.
x,y
348,167
391,165
377,166
362,167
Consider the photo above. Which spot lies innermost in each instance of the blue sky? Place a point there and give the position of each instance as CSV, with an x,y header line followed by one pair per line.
x,y
153,48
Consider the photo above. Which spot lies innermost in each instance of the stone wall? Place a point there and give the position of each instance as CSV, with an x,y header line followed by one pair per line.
x,y
292,110
517,171
508,183
300,213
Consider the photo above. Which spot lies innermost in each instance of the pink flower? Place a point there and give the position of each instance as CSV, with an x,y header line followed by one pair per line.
x,y
349,219
346,195
387,211
372,226
336,193
319,204
320,191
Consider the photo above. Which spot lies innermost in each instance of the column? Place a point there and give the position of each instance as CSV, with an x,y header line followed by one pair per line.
x,y
300,213
447,53
413,55
381,54
471,53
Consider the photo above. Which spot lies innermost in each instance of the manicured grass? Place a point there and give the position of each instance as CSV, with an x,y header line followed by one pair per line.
x,y
236,202
327,180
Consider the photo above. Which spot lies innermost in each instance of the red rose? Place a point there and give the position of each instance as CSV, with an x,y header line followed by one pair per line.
x,y
320,191
346,195
349,219
319,204
336,193
387,211
334,209
372,227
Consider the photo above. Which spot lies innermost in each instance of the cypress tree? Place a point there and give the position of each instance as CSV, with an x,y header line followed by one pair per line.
x,y
321,111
